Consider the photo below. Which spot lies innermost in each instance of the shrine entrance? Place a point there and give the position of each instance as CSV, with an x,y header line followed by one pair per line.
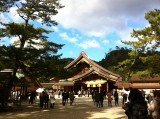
x,y
107,86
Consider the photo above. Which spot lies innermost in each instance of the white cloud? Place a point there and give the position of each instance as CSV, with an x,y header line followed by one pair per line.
x,y
67,38
89,44
13,15
99,18
105,41
23,1
119,42
3,18
152,44
55,28
14,39
16,42
96,34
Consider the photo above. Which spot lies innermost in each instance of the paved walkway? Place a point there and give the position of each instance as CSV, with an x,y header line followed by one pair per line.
x,y
82,109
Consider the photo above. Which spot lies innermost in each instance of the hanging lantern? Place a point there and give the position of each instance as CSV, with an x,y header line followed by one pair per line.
x,y
99,85
88,85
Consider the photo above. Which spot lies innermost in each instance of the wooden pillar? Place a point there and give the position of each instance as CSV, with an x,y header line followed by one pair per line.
x,y
107,87
73,89
99,88
81,87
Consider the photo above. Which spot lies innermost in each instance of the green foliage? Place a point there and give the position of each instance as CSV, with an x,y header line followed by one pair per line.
x,y
24,33
143,73
112,59
114,56
152,62
144,55
6,4
32,52
40,9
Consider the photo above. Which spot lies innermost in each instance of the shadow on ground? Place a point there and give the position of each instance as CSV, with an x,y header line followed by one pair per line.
x,y
82,110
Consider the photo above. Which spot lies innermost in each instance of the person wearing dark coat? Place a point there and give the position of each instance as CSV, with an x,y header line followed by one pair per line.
x,y
32,97
137,107
46,100
99,97
67,96
116,98
64,97
41,97
93,95
71,97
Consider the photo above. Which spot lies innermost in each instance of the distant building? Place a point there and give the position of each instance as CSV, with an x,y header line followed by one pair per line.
x,y
26,83
136,81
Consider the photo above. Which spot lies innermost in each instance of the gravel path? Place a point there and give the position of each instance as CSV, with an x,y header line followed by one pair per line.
x,y
82,109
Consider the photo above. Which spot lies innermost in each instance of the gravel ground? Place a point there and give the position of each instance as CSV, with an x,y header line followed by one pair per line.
x,y
83,108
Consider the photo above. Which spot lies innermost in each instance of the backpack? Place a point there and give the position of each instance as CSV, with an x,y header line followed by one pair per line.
x,y
139,111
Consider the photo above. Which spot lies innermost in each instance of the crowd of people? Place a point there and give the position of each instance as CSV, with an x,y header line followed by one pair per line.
x,y
136,103
47,98
98,97
67,95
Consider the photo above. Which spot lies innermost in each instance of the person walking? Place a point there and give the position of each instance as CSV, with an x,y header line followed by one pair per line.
x,y
136,108
154,106
32,97
97,99
124,98
64,97
71,97
52,100
101,98
88,92
46,100
59,93
116,98
109,95
41,97
125,93
67,96
93,95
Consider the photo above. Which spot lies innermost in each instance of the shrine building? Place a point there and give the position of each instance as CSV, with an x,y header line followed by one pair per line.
x,y
89,75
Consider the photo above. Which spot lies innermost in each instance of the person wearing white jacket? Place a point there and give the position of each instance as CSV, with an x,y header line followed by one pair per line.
x,y
52,100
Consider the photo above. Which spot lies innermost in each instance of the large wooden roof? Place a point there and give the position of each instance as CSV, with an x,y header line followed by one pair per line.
x,y
94,69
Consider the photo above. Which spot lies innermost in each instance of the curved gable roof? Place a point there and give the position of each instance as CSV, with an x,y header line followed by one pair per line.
x,y
80,58
94,71
95,68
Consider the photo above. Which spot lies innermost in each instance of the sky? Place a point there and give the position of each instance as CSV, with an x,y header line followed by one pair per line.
x,y
94,26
